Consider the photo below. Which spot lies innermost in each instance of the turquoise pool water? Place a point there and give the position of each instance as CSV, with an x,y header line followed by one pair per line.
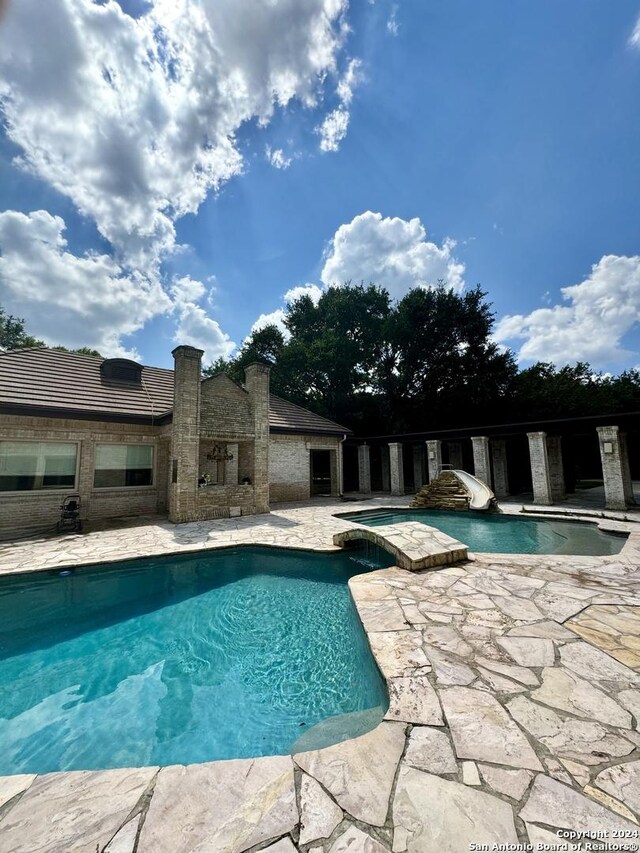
x,y
503,534
179,660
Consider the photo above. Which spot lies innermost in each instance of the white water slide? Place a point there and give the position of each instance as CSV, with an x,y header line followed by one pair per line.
x,y
481,494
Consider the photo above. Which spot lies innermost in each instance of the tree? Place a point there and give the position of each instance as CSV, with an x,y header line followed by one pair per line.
x,y
13,334
80,351
358,359
263,345
331,359
220,365
442,363
543,390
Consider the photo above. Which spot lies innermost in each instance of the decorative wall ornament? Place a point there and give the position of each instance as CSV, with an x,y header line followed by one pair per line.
x,y
219,454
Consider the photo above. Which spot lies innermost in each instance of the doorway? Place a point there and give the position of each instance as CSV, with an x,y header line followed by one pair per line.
x,y
320,473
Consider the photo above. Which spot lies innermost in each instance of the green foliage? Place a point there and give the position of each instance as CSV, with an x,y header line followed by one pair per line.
x,y
264,345
13,335
220,365
574,391
332,358
374,366
428,361
80,351
445,363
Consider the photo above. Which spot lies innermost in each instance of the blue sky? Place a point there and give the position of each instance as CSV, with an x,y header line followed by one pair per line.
x,y
202,159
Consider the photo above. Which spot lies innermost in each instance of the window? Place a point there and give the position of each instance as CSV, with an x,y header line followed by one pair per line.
x,y
120,465
33,465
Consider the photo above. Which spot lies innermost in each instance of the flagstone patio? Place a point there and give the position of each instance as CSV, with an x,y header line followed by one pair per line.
x,y
513,716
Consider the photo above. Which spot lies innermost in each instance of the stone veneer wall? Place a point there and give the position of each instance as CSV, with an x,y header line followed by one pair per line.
x,y
290,465
23,511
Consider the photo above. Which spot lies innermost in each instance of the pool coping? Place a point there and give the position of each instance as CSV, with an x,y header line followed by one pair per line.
x,y
411,696
604,523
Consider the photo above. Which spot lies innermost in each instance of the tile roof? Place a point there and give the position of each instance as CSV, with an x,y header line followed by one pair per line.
x,y
286,416
64,381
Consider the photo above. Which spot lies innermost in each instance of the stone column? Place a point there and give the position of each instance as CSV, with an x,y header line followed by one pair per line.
x,y
386,471
333,469
257,385
397,469
434,458
500,476
539,468
340,471
556,470
615,468
364,469
481,463
185,434
418,477
455,455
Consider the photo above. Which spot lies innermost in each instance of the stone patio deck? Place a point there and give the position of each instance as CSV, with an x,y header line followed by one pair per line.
x,y
504,724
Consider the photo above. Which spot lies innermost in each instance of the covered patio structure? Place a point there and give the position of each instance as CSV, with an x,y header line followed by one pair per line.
x,y
590,460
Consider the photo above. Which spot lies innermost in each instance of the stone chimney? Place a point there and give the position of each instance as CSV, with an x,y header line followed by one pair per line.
x,y
185,434
257,385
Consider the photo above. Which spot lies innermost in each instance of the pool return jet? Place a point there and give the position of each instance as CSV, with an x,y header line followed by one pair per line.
x,y
455,489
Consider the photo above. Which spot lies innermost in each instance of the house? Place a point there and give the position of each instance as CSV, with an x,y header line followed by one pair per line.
x,y
134,440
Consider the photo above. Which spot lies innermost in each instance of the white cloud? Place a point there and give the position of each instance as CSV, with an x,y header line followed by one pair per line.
x,y
634,38
134,119
187,289
277,158
274,318
311,290
333,129
590,325
392,23
70,300
197,329
391,252
351,78
335,124
194,326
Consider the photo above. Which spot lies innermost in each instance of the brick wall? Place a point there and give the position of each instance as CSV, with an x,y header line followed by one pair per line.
x,y
216,501
225,409
290,465
24,511
257,384
245,460
185,432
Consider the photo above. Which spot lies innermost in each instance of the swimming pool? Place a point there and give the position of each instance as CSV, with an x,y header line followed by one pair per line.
x,y
183,659
503,534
